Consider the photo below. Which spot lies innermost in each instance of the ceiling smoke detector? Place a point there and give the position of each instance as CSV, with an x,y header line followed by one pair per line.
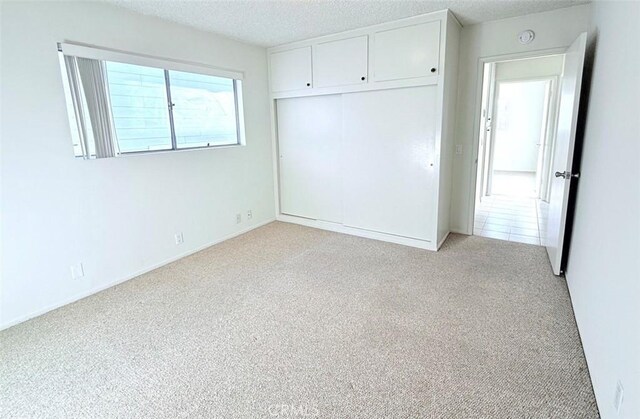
x,y
526,37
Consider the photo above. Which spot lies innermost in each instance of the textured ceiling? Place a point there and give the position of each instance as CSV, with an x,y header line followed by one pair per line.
x,y
275,22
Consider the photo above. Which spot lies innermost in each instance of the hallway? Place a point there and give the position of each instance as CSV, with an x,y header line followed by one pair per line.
x,y
516,219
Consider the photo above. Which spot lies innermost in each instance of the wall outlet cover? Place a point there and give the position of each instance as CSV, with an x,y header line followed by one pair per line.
x,y
77,271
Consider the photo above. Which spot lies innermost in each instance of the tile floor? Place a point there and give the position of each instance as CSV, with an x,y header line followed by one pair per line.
x,y
516,219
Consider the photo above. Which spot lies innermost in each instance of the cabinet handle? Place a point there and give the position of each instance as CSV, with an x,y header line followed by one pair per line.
x,y
433,70
362,78
308,84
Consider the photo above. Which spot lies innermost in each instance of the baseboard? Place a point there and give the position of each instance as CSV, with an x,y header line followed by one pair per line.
x,y
374,235
85,294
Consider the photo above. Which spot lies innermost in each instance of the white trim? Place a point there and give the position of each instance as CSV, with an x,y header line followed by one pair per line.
x,y
178,150
108,54
360,87
143,271
242,139
352,231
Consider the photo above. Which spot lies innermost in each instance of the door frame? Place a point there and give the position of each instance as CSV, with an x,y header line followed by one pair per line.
x,y
484,132
477,110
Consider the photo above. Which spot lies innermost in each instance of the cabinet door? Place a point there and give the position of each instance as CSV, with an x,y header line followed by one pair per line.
x,y
291,70
339,63
309,146
389,161
408,52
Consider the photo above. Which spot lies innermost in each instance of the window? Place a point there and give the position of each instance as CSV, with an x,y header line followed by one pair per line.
x,y
139,106
118,107
204,110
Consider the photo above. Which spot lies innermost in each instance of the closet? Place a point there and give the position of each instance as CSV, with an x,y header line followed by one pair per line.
x,y
363,129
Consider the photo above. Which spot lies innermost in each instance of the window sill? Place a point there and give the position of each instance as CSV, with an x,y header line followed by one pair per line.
x,y
179,150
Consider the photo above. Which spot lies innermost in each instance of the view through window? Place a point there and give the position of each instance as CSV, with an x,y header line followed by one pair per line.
x,y
119,108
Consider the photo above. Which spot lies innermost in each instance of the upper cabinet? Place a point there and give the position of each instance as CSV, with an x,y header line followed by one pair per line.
x,y
406,52
342,62
403,53
291,69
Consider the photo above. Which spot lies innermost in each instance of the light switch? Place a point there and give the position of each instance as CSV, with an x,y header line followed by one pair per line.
x,y
458,148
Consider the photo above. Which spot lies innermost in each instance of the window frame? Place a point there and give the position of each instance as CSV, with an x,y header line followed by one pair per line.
x,y
111,55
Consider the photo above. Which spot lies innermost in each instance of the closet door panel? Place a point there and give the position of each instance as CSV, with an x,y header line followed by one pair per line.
x,y
389,164
309,146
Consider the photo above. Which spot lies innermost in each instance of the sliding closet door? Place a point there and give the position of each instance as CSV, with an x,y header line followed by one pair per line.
x,y
389,165
309,146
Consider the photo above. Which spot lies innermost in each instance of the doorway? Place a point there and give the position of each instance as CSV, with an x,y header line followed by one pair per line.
x,y
517,131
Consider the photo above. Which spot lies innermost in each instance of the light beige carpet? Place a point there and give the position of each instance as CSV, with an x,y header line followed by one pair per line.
x,y
287,321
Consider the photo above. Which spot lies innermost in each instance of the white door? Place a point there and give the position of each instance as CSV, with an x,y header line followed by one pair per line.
x,y
389,161
563,156
339,63
309,147
290,70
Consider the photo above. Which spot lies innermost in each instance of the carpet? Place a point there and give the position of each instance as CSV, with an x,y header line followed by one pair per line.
x,y
289,321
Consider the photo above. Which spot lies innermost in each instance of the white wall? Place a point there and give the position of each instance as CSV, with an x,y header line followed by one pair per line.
x,y
603,271
555,29
116,216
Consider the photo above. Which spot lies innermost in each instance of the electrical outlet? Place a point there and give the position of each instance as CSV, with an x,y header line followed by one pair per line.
x,y
179,238
618,397
238,218
77,271
249,215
